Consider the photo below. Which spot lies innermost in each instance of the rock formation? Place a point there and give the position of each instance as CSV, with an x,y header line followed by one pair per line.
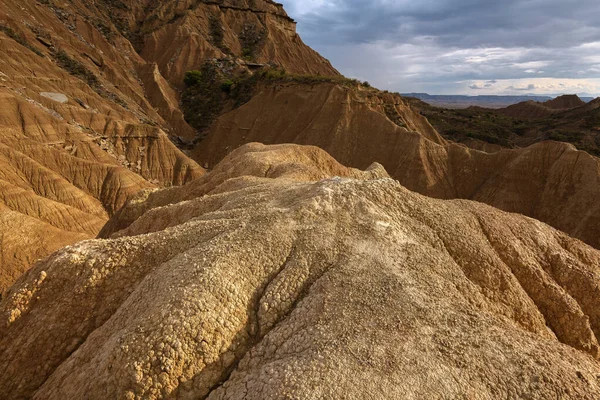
x,y
565,102
89,100
529,110
67,165
263,280
537,110
137,52
549,181
280,273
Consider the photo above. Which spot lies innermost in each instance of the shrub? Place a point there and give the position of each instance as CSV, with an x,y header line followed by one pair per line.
x,y
566,136
251,39
75,68
202,100
19,39
192,78
216,31
392,113
104,29
226,86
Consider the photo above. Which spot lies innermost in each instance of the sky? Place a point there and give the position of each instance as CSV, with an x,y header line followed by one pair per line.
x,y
473,47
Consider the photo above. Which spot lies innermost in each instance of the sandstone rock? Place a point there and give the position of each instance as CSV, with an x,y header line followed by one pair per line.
x,y
122,65
62,172
549,181
258,282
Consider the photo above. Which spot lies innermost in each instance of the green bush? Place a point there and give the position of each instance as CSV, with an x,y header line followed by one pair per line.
x,y
566,136
251,40
226,86
202,100
192,78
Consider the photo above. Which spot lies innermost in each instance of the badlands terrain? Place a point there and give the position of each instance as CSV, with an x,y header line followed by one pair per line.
x,y
87,120
195,204
565,118
282,274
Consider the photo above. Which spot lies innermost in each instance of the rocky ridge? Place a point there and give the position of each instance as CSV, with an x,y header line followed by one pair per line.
x,y
89,105
256,281
549,181
68,165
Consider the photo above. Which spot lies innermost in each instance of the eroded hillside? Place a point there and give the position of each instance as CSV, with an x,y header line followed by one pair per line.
x,y
267,278
280,272
89,105
549,181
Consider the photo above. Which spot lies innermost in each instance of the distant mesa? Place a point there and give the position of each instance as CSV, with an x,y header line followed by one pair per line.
x,y
537,110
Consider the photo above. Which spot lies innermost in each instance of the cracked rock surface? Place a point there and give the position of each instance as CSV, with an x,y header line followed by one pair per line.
x,y
282,274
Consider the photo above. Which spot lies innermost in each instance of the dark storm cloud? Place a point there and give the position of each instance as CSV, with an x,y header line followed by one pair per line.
x,y
444,45
453,23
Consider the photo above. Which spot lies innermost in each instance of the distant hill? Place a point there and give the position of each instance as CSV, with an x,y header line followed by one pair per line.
x,y
566,119
536,110
277,270
565,102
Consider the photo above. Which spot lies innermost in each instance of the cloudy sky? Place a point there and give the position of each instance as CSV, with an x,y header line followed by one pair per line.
x,y
458,46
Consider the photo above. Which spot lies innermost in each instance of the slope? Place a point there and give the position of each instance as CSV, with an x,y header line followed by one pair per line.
x,y
257,282
565,102
550,181
72,150
89,104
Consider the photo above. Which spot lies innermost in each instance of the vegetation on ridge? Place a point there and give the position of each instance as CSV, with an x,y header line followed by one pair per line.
x,y
217,32
19,39
471,123
78,70
209,91
579,126
251,40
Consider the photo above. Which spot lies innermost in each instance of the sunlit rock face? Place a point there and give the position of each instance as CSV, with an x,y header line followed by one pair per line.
x,y
283,274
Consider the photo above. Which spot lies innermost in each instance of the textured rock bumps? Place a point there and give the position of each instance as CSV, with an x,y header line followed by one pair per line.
x,y
257,282
548,181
